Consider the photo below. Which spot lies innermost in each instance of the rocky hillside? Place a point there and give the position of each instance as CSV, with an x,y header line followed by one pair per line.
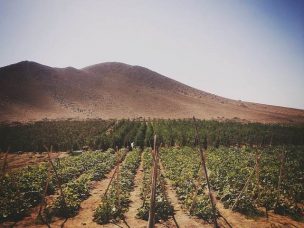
x,y
31,91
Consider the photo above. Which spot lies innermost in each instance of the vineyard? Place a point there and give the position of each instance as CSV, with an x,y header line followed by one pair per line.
x,y
68,135
180,172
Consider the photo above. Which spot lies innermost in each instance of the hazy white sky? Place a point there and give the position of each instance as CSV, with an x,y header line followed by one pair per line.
x,y
248,50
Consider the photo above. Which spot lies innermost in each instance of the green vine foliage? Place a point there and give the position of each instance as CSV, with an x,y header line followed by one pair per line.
x,y
163,208
116,202
103,134
182,168
23,189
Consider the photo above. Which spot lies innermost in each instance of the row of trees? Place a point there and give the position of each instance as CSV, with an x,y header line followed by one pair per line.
x,y
101,134
181,132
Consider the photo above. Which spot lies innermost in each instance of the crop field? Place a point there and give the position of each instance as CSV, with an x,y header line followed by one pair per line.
x,y
180,173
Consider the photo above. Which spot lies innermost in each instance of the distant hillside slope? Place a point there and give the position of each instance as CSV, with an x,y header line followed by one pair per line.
x,y
31,91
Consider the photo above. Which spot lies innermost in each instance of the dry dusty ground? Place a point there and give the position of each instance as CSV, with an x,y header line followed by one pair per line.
x,y
15,160
31,91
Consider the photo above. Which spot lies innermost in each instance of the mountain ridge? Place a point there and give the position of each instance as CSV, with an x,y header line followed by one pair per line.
x,y
33,91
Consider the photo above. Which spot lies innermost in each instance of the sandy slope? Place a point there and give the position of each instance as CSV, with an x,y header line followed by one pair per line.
x,y
31,91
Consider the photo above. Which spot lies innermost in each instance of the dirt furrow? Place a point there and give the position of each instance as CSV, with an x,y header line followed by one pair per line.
x,y
136,202
234,219
87,207
85,215
181,218
237,220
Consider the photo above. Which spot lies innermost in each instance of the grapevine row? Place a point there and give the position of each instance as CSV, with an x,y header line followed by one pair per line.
x,y
116,201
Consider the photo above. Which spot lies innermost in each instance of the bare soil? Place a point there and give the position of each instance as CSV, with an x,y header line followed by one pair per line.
x,y
238,220
88,206
136,202
19,160
181,218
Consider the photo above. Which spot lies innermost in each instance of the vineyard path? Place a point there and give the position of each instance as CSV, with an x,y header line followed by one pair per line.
x,y
237,220
228,217
136,202
182,220
85,216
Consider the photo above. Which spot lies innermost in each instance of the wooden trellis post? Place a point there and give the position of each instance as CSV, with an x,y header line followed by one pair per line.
x,y
118,161
257,171
245,186
196,188
283,157
162,182
39,215
151,221
5,162
56,174
270,144
204,169
118,188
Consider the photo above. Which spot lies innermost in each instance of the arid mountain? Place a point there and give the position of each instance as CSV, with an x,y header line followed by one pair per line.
x,y
31,91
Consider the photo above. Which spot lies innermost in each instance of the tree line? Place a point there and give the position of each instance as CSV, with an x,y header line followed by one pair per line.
x,y
67,135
